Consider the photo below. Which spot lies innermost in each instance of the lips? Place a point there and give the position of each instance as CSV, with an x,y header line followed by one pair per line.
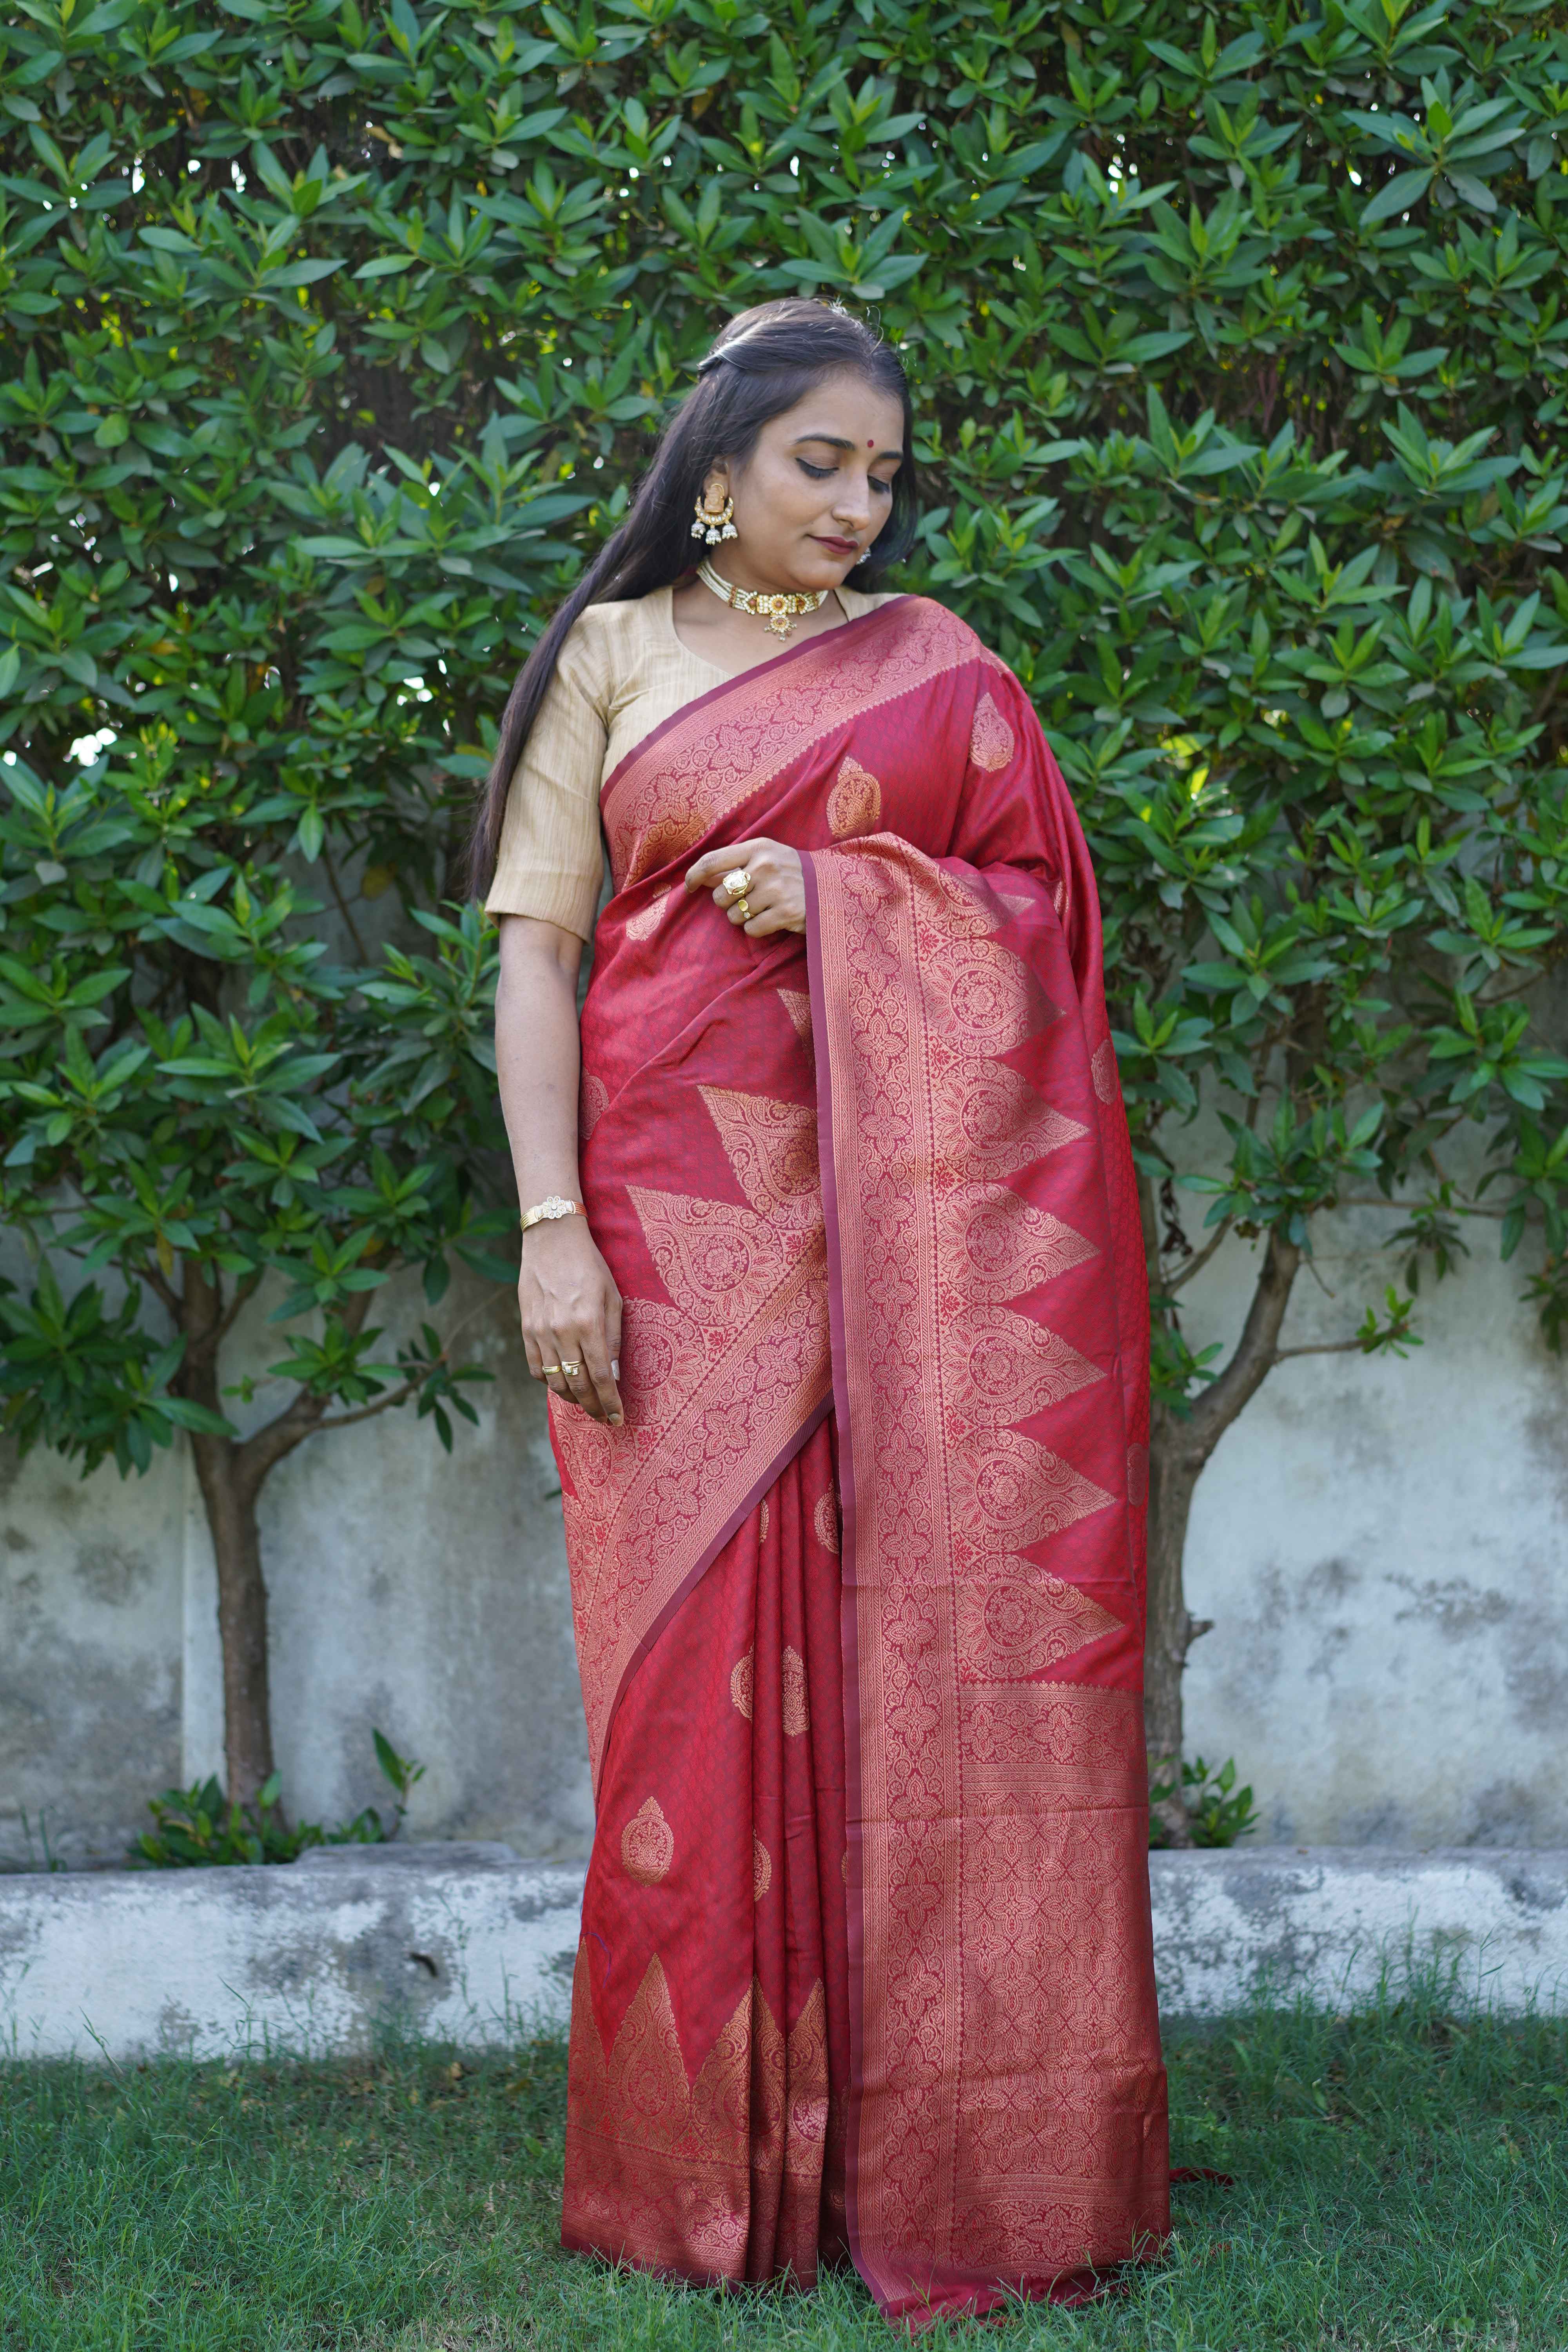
x,y
839,546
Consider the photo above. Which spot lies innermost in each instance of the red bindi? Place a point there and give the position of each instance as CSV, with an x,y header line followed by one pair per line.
x,y
870,444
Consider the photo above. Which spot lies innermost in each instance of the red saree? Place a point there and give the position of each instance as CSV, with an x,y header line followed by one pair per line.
x,y
865,1959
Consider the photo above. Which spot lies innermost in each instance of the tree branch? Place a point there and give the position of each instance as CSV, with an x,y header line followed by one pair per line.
x,y
1377,1200
266,1447
1255,1356
165,1292
343,905
1199,1258
244,1291
1321,1348
369,1411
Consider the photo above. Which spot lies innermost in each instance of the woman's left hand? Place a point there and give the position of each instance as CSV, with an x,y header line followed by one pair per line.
x,y
775,895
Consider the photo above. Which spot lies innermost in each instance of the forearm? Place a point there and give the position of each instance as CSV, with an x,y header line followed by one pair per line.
x,y
567,1299
537,1056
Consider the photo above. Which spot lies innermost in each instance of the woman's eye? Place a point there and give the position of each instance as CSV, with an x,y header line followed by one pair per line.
x,y
878,484
817,473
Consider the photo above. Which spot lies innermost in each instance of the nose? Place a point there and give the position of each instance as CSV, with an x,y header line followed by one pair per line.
x,y
852,506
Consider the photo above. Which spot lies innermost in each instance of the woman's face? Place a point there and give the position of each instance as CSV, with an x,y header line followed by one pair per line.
x,y
815,491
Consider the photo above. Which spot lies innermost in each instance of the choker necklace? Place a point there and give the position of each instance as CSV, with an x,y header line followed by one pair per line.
x,y
781,610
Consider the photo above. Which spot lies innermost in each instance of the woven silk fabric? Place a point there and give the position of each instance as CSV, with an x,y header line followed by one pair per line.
x,y
858,1586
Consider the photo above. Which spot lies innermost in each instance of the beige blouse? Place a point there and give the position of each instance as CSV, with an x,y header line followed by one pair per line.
x,y
623,671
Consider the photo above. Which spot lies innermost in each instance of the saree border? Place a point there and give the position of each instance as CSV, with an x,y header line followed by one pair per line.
x,y
849,1614
694,1576
605,1672
696,768
1016,1811
736,677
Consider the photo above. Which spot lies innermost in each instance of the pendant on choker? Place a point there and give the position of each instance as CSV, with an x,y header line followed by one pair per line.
x,y
781,608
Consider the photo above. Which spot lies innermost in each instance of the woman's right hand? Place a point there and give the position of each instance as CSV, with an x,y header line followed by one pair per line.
x,y
570,1312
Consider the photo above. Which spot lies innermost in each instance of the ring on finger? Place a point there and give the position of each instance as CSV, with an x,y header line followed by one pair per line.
x,y
738,881
545,1371
570,1371
742,909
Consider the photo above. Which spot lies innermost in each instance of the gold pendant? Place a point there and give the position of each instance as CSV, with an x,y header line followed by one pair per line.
x,y
782,625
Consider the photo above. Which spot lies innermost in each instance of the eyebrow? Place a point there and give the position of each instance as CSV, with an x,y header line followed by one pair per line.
x,y
834,441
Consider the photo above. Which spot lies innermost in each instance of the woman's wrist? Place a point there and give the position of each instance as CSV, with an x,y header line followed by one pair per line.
x,y
551,1208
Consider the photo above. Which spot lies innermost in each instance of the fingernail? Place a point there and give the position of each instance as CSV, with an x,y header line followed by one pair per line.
x,y
615,1419
615,1368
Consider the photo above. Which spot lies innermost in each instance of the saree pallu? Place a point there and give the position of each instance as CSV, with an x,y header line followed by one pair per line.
x,y
859,1587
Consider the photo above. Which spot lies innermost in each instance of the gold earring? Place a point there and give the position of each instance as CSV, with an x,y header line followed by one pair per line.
x,y
714,523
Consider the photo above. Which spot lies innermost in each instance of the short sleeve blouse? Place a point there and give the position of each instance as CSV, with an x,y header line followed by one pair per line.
x,y
623,671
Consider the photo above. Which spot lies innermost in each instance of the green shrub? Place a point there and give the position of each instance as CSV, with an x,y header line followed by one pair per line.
x,y
332,337
198,1828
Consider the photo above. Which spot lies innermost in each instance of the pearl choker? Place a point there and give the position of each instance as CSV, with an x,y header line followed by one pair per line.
x,y
780,609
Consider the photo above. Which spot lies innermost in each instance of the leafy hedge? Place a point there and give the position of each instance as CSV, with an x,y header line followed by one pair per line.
x,y
332,337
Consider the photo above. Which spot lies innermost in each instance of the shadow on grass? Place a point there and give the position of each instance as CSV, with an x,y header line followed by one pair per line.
x,y
1401,2179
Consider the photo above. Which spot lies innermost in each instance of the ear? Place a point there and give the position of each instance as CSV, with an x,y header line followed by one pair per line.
x,y
716,486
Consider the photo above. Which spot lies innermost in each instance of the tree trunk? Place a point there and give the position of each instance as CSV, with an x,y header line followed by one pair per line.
x,y
1171,1632
230,1499
231,1473
229,1491
1179,1447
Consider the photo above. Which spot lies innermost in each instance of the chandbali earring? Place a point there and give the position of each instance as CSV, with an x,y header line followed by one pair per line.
x,y
714,523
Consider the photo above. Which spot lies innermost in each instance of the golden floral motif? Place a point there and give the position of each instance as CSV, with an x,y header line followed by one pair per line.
x,y
741,1683
1020,1620
1009,1366
797,1005
771,1147
992,1117
763,1523
796,1712
762,1869
1003,1244
825,1520
855,803
991,742
643,925
678,2175
1019,1488
647,1844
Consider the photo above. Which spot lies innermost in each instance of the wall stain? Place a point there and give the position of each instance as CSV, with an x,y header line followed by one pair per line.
x,y
1459,1608
111,1573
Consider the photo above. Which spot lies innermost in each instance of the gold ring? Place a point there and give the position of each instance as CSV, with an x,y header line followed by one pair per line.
x,y
570,1371
744,909
738,881
545,1371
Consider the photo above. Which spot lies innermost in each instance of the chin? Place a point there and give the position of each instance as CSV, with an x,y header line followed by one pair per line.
x,y
817,569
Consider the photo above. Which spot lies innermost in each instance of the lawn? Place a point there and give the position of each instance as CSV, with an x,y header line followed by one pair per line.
x,y
1401,2180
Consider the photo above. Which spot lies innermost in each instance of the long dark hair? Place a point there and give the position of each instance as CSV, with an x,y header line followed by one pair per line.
x,y
760,365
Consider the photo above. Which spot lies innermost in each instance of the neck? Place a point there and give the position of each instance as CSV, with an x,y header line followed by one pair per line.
x,y
733,569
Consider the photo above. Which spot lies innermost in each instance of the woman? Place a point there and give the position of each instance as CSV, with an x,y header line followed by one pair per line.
x,y
841,1306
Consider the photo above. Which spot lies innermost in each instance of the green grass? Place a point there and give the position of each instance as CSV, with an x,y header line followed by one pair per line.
x,y
1401,2180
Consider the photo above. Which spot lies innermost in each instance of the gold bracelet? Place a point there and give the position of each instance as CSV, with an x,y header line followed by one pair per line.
x,y
550,1209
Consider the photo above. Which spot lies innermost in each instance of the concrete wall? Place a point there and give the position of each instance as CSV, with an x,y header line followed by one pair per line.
x,y
1384,1546
465,1943
419,1592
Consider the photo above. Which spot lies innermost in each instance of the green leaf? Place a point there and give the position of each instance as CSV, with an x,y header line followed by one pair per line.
x,y
1405,189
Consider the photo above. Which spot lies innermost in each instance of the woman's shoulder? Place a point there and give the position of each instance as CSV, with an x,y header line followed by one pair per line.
x,y
608,644
943,635
615,633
